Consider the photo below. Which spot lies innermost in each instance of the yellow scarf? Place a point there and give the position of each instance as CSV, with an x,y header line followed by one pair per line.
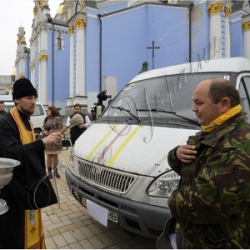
x,y
221,119
33,228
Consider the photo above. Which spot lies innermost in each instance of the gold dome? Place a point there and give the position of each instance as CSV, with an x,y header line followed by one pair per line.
x,y
60,8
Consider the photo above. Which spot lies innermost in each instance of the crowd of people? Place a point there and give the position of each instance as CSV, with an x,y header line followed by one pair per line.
x,y
210,208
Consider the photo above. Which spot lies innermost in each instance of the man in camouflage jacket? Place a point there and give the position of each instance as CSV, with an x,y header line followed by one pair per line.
x,y
213,201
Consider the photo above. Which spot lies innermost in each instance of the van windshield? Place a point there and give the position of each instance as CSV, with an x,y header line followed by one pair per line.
x,y
166,99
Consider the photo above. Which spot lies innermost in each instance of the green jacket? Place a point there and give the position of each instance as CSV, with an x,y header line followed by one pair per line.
x,y
213,201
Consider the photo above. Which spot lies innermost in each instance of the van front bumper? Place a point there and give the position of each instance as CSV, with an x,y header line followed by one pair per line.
x,y
140,218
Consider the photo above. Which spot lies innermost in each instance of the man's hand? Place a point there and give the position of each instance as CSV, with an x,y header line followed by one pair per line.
x,y
52,138
186,153
81,126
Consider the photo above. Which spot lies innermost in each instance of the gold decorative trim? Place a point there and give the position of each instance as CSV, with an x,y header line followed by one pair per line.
x,y
80,23
21,40
32,66
71,29
246,26
35,11
40,3
42,58
214,8
228,11
21,76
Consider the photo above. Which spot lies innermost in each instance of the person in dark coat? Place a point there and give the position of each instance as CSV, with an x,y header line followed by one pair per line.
x,y
2,111
77,130
29,189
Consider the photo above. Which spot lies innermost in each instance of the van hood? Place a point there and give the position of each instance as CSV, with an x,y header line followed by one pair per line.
x,y
132,148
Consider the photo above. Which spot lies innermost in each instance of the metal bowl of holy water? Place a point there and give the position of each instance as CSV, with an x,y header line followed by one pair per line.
x,y
6,167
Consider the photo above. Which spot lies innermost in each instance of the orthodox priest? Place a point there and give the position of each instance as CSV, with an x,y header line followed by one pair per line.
x,y
30,189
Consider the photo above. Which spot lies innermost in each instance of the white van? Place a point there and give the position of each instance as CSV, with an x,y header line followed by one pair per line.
x,y
119,165
37,118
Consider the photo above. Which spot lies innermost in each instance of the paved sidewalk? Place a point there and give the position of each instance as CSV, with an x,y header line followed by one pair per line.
x,y
68,225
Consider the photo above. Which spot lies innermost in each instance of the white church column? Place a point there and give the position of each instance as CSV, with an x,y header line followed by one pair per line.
x,y
71,62
246,35
44,41
21,67
228,11
43,79
214,11
80,56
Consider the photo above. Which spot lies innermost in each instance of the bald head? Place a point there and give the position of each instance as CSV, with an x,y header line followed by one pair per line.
x,y
218,88
212,98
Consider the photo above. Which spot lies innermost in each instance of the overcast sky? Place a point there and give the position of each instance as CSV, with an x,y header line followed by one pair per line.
x,y
13,14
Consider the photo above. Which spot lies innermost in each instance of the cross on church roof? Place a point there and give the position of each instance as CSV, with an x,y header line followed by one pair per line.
x,y
153,51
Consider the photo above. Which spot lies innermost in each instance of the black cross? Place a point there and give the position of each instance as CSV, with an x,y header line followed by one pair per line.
x,y
153,51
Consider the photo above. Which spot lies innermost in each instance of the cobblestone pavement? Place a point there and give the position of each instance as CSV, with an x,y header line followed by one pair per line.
x,y
67,224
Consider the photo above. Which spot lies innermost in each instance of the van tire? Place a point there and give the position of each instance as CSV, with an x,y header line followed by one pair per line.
x,y
37,134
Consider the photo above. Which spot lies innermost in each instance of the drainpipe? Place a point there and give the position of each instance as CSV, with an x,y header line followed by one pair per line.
x,y
52,60
190,31
99,16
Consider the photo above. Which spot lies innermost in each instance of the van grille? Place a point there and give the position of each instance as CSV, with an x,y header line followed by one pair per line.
x,y
106,178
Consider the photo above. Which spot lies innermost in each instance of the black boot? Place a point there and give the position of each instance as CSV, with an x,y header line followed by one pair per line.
x,y
56,173
50,173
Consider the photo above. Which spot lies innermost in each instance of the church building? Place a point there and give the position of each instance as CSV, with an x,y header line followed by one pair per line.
x,y
92,45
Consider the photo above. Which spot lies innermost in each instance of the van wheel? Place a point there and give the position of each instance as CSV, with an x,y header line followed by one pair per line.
x,y
37,134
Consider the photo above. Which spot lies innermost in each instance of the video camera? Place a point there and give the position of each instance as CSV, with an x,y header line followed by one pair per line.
x,y
102,96
99,107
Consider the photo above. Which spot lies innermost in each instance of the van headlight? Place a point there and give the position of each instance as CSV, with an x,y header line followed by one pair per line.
x,y
164,185
71,158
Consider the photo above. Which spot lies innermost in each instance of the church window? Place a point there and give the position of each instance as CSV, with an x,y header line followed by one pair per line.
x,y
59,43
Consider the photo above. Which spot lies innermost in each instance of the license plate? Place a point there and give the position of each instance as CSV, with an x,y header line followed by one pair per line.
x,y
112,216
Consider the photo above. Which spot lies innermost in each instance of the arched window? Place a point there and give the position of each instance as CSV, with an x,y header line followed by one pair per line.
x,y
59,43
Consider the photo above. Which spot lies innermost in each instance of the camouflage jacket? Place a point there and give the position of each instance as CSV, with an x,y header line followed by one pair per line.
x,y
213,201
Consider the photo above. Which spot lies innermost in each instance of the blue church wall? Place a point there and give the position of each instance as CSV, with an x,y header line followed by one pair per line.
x,y
236,39
92,55
109,8
168,27
200,34
124,44
123,57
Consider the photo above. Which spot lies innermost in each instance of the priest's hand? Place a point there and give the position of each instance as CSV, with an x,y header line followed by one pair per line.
x,y
52,138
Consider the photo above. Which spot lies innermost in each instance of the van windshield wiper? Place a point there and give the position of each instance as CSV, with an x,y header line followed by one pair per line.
x,y
172,113
128,111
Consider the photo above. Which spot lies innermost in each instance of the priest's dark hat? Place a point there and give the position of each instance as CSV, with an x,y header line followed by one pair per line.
x,y
23,87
